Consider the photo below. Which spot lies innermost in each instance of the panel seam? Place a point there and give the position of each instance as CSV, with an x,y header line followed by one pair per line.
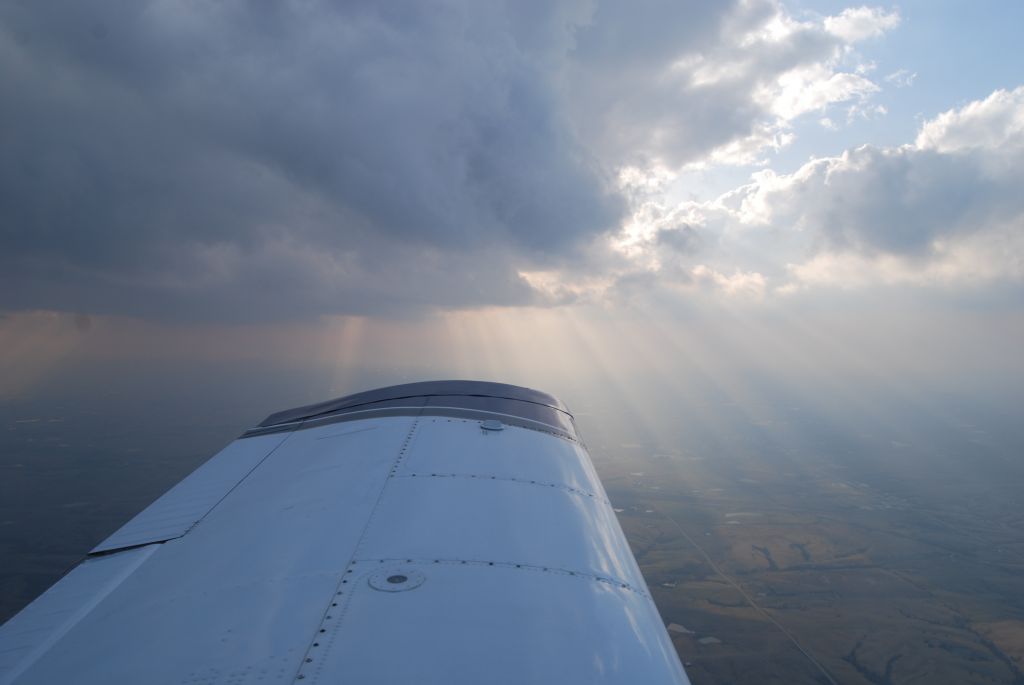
x,y
332,612
194,523
519,566
510,479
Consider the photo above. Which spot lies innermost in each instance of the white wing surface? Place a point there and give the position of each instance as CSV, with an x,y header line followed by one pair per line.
x,y
446,532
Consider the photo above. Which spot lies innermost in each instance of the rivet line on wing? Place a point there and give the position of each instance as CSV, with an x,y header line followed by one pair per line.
x,y
323,639
509,479
519,566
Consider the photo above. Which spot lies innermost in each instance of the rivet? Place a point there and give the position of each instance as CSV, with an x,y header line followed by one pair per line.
x,y
309,660
323,630
316,644
334,604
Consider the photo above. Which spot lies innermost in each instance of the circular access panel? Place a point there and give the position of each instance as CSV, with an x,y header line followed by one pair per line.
x,y
396,579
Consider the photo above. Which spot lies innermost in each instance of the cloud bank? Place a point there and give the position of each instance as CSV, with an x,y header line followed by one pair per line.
x,y
291,160
944,210
297,155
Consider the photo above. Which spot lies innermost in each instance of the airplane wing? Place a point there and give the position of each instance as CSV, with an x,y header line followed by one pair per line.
x,y
443,532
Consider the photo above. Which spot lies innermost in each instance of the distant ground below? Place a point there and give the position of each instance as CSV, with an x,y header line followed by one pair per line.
x,y
829,559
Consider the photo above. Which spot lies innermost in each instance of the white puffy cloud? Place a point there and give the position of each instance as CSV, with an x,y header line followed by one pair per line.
x,y
959,177
945,211
812,89
860,23
995,124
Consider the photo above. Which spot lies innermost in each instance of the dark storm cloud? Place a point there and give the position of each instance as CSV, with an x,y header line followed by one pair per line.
x,y
270,157
295,158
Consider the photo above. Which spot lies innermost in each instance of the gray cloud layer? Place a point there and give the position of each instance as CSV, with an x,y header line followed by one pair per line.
x,y
347,157
278,159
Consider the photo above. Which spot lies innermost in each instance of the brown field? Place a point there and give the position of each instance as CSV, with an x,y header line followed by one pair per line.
x,y
823,579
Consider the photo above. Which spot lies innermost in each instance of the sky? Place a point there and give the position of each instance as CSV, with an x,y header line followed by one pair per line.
x,y
684,193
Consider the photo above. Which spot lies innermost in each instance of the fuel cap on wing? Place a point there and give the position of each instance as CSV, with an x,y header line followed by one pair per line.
x,y
396,579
